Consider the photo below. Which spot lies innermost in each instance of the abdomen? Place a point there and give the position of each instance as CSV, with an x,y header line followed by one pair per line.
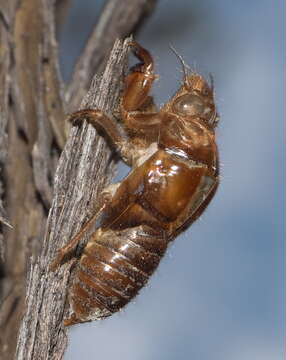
x,y
150,204
114,266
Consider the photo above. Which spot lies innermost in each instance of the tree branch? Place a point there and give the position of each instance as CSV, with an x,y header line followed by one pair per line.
x,y
33,112
32,108
84,168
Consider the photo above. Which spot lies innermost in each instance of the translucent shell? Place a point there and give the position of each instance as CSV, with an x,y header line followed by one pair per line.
x,y
189,105
175,174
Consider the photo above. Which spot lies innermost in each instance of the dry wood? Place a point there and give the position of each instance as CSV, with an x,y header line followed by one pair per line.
x,y
4,93
83,160
31,79
32,108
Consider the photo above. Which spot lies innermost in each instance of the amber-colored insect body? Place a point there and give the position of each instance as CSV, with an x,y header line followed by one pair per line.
x,y
175,175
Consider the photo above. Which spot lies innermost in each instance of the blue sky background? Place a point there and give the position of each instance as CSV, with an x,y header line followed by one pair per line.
x,y
220,291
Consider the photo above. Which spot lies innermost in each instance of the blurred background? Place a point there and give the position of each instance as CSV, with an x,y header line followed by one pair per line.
x,y
220,291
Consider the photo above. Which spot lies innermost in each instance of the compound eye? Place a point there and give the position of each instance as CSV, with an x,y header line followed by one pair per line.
x,y
188,104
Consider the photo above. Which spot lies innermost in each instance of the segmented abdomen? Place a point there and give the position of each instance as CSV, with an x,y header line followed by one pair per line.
x,y
114,266
148,206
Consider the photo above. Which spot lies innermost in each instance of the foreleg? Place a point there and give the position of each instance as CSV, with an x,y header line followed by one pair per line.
x,y
139,113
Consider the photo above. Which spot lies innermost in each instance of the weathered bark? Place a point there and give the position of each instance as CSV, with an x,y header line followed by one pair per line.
x,y
84,159
32,108
32,103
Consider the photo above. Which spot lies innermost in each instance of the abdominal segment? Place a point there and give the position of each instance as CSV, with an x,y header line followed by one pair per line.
x,y
115,265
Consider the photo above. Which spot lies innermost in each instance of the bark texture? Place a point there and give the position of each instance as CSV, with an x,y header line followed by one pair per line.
x,y
83,160
33,103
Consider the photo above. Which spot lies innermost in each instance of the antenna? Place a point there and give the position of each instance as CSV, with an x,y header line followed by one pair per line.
x,y
185,67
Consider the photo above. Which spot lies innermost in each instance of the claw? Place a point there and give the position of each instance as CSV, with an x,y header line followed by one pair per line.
x,y
57,261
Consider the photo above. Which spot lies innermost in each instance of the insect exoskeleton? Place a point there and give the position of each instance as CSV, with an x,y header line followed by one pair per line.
x,y
175,174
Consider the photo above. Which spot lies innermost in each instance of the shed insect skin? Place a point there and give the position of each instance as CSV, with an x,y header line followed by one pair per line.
x,y
175,175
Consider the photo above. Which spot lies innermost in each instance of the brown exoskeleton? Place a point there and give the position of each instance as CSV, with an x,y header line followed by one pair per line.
x,y
175,174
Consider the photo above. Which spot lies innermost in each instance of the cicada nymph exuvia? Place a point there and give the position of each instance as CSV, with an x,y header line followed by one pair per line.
x,y
175,174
